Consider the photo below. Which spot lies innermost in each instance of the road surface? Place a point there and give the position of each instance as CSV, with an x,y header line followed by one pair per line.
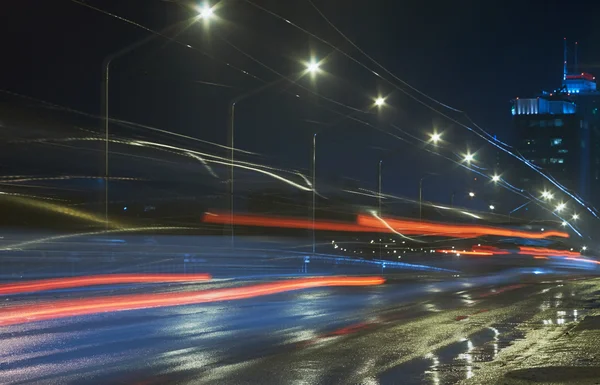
x,y
420,326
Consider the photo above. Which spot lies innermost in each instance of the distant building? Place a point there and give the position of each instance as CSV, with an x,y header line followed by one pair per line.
x,y
559,132
549,136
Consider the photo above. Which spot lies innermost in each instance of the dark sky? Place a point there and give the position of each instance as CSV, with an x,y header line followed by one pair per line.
x,y
473,55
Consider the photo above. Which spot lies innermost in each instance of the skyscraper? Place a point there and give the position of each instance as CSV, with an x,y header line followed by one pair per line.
x,y
559,132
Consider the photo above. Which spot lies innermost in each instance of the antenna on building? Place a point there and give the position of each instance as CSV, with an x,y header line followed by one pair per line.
x,y
565,59
575,69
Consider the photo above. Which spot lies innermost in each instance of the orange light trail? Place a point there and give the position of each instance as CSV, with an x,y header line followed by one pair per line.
x,y
288,223
371,224
464,231
94,280
491,249
542,251
86,306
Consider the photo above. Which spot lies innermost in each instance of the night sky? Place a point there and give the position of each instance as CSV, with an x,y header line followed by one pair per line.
x,y
473,55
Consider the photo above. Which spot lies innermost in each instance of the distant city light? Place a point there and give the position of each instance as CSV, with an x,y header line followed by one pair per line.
x,y
496,178
584,248
379,102
492,207
471,194
435,137
469,157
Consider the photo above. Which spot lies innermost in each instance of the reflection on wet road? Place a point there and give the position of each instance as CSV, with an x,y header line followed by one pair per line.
x,y
403,332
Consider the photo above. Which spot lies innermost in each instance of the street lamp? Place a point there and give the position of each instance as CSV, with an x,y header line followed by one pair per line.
x,y
313,66
561,206
472,194
547,195
469,158
496,178
584,248
205,12
564,224
379,101
492,207
435,137
575,217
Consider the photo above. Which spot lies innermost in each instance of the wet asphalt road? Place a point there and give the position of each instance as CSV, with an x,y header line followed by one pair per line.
x,y
406,331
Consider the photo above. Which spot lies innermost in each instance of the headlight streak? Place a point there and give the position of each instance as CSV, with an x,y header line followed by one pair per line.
x,y
383,221
57,208
223,161
208,168
21,245
197,155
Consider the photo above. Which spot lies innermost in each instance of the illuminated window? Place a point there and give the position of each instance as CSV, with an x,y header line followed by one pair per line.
x,y
556,142
563,151
557,160
558,122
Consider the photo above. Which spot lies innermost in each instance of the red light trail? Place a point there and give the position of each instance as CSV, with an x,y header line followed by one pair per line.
x,y
371,224
541,251
463,231
94,280
85,306
288,223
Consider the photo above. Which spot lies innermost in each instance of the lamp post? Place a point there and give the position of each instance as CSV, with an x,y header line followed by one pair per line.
x,y
379,201
205,13
314,188
313,67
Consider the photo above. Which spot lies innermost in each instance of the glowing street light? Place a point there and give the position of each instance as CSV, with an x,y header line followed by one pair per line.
x,y
561,206
379,101
313,67
435,137
492,207
547,195
575,217
564,224
584,248
472,194
496,178
205,12
469,157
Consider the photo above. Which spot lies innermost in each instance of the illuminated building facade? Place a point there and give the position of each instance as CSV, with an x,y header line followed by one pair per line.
x,y
559,132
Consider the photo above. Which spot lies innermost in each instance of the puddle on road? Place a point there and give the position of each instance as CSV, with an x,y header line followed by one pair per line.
x,y
458,361
564,316
454,362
